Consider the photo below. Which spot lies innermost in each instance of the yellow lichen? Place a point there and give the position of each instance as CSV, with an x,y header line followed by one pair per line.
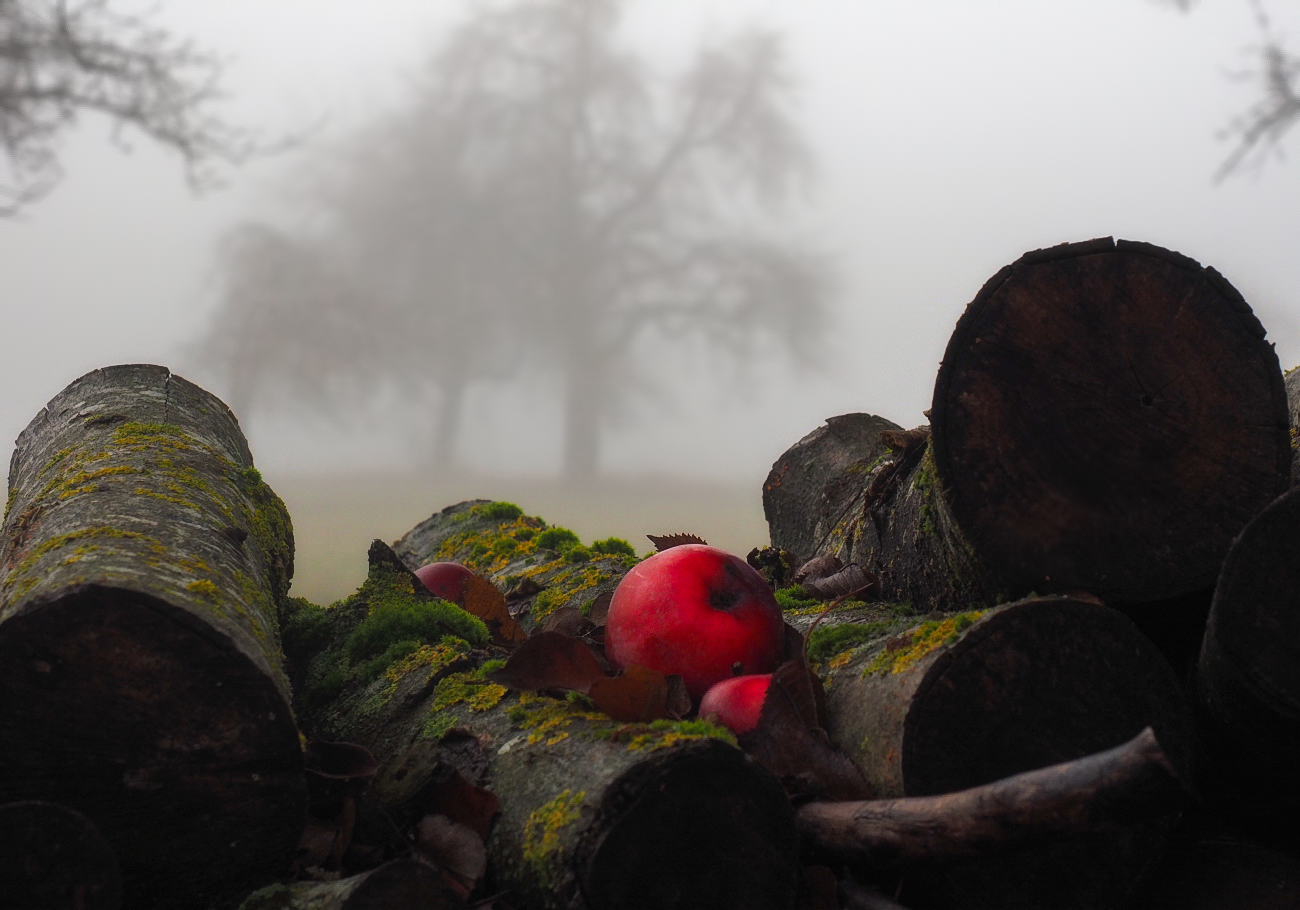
x,y
542,832
206,588
920,642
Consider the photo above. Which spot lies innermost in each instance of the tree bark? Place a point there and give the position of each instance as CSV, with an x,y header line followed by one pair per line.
x,y
53,857
1248,677
401,883
819,480
1133,782
1107,418
144,564
1292,380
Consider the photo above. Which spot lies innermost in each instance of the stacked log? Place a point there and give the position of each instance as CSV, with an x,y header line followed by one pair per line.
x,y
144,562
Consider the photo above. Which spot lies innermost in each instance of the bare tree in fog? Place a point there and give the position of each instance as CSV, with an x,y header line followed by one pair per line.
x,y
548,202
60,59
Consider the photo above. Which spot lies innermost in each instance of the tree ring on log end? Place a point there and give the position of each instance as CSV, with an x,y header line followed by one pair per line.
x,y
1044,681
161,731
1107,417
704,827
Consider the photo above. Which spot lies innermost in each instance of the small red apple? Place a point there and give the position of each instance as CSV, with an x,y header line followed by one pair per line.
x,y
736,703
696,611
449,580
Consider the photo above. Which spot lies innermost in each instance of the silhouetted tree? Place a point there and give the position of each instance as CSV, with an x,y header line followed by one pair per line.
x,y
548,202
60,59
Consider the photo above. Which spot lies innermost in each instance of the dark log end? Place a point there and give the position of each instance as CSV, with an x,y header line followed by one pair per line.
x,y
53,857
166,736
701,828
1107,418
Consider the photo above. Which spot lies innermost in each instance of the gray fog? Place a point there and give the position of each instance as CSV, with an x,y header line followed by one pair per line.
x,y
949,138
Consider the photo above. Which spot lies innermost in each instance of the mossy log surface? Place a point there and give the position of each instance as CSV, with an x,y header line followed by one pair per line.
x,y
509,549
1248,677
52,857
964,700
401,884
1292,381
144,562
594,813
1107,418
819,481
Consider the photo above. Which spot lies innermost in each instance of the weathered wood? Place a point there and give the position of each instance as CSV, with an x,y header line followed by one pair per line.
x,y
1292,381
144,562
594,813
1248,677
1131,783
820,479
972,698
53,857
401,883
1107,418
1219,872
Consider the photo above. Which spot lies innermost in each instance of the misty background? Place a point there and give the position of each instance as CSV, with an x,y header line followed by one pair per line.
x,y
924,145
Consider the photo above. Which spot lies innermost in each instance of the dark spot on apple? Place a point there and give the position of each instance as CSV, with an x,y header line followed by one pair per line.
x,y
725,598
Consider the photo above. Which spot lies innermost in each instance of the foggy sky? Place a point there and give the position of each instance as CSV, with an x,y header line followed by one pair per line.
x,y
952,137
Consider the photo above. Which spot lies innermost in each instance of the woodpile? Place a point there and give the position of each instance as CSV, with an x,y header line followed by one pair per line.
x,y
1039,654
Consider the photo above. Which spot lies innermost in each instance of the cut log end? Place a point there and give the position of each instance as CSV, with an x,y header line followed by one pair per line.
x,y
1107,418
170,740
702,828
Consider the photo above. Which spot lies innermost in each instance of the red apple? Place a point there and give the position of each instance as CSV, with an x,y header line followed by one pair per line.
x,y
449,580
696,611
736,703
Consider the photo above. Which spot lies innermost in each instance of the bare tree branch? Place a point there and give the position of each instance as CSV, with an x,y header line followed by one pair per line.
x,y
1259,131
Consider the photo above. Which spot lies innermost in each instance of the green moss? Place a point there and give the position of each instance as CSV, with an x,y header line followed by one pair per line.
x,y
398,618
499,511
371,670
28,563
490,666
577,553
504,546
612,546
525,534
794,598
307,628
827,641
438,725
542,833
557,539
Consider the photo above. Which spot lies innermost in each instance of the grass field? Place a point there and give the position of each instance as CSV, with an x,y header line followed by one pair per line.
x,y
336,517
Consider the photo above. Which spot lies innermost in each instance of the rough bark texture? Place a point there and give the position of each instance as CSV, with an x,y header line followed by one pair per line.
x,y
402,884
594,813
1129,784
1107,418
1248,678
144,561
52,857
814,486
1293,405
967,699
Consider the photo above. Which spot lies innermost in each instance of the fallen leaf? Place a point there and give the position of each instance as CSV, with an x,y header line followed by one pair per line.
x,y
600,608
463,803
456,849
818,567
550,660
482,599
640,695
527,587
668,541
568,621
678,700
852,579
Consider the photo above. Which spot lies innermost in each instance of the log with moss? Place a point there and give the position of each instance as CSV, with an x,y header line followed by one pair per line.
x,y
407,884
1292,379
1107,417
963,700
540,567
594,812
1248,677
144,562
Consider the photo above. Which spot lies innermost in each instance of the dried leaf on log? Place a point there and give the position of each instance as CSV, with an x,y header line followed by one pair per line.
x,y
818,567
640,695
668,541
482,599
600,608
527,587
568,621
457,850
850,580
464,803
550,660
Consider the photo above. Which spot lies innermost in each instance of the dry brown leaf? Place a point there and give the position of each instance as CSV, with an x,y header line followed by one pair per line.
x,y
818,567
455,848
550,660
640,695
527,587
482,599
852,579
464,803
668,541
568,621
600,608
